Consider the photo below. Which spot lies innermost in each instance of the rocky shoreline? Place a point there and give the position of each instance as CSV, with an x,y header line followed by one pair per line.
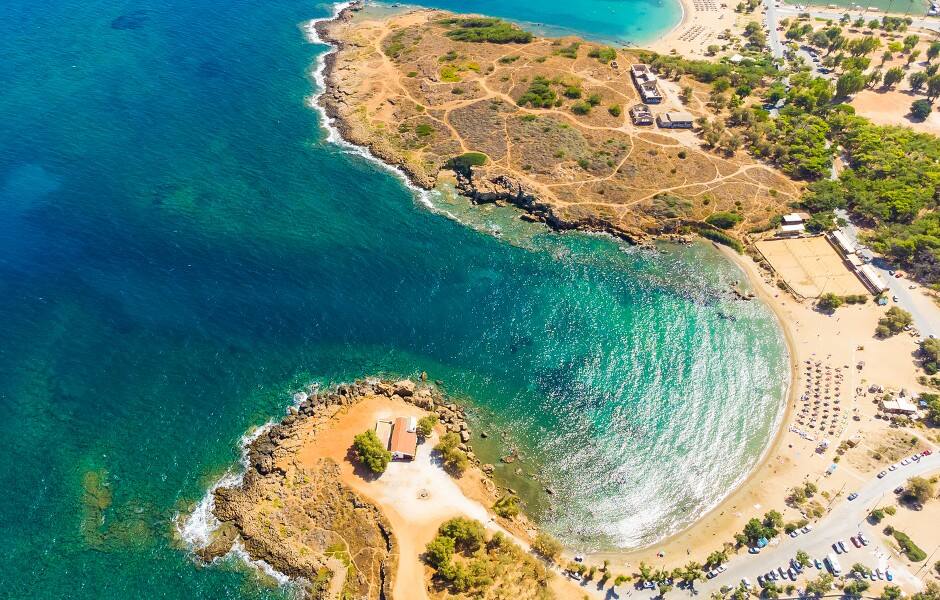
x,y
305,523
482,186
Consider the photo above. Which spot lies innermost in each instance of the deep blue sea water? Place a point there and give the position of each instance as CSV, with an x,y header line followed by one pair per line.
x,y
180,249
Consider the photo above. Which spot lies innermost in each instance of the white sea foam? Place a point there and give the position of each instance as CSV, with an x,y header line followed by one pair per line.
x,y
239,552
197,528
333,136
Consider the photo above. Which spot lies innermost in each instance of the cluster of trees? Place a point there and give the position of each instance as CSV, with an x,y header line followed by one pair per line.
x,y
455,459
688,574
757,529
894,322
828,302
724,219
485,29
604,54
913,552
919,489
464,537
371,452
426,424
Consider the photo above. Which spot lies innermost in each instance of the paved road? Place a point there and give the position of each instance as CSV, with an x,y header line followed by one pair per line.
x,y
834,14
771,19
925,312
845,520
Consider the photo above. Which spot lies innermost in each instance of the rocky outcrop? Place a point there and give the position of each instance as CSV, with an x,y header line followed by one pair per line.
x,y
304,521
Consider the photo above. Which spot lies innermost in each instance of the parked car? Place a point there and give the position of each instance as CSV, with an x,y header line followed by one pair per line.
x,y
807,529
926,453
753,550
842,546
794,533
835,546
721,568
855,542
899,489
889,575
879,574
882,474
648,585
861,537
746,582
893,468
853,496
905,462
818,564
915,458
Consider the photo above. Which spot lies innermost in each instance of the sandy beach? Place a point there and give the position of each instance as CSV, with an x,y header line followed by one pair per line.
x,y
790,459
702,22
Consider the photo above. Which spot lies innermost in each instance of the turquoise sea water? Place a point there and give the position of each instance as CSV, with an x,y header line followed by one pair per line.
x,y
180,249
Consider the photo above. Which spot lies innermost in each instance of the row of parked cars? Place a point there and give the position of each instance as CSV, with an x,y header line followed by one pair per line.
x,y
905,461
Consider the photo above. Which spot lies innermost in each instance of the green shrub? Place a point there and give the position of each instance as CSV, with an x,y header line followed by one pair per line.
x,y
724,220
605,54
914,553
455,459
426,425
485,29
424,130
507,506
371,452
722,238
464,162
580,108
539,95
614,110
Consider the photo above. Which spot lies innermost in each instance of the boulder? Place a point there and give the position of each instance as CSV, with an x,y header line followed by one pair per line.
x,y
404,388
488,469
464,435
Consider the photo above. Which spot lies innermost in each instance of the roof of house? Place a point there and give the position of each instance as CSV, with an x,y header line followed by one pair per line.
x,y
793,218
678,116
403,441
792,227
900,405
383,430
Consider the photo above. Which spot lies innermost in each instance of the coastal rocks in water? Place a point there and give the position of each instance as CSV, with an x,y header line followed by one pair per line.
x,y
404,388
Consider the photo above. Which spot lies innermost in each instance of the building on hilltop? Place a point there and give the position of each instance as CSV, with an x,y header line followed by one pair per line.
x,y
641,115
645,81
675,120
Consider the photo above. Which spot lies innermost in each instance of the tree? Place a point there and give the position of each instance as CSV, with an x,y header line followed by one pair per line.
x,y
917,80
828,302
933,50
645,572
930,355
912,56
468,534
426,425
507,506
891,592
894,322
371,452
920,109
893,76
919,489
692,573
910,41
820,586
455,459
439,551
856,588
546,546
802,558
933,87
723,219
850,83
716,558
930,592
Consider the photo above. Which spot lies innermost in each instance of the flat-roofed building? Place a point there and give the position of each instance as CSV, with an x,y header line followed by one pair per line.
x,y
842,243
898,406
791,230
645,81
871,279
675,120
641,115
383,430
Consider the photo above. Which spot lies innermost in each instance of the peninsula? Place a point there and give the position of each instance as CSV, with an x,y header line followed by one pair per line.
x,y
545,124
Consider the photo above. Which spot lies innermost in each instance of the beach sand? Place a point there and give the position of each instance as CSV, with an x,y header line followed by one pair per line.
x,y
789,460
702,22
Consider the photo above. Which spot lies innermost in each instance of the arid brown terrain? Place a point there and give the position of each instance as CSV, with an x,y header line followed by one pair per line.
x,y
418,98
